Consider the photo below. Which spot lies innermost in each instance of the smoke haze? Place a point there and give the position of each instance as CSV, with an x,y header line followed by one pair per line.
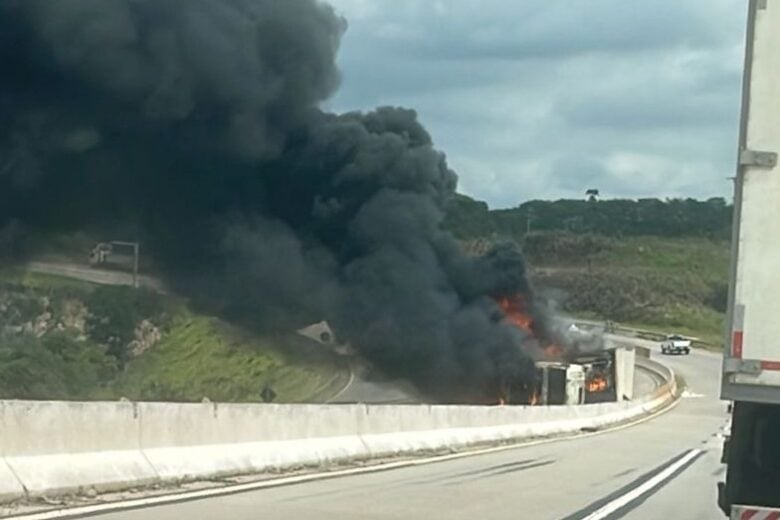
x,y
195,126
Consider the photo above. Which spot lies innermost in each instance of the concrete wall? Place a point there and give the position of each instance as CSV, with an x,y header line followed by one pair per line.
x,y
55,447
625,361
51,448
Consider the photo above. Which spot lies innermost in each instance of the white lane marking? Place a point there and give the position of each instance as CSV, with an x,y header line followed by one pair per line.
x,y
347,386
638,491
687,394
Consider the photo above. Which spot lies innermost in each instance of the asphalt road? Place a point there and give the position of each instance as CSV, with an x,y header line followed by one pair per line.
x,y
365,388
93,275
666,467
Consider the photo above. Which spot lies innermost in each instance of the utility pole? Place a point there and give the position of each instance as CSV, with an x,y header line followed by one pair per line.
x,y
529,217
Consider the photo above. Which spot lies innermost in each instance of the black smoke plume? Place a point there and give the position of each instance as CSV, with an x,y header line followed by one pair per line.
x,y
195,126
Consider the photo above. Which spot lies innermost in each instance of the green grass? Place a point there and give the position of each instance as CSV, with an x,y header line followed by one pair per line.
x,y
705,326
203,357
659,284
698,322
41,281
702,323
198,356
705,258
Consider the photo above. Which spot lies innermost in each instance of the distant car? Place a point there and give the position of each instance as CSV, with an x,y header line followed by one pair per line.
x,y
675,344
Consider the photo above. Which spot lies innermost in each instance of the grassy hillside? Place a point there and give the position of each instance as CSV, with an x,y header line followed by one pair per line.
x,y
201,356
651,263
65,339
663,284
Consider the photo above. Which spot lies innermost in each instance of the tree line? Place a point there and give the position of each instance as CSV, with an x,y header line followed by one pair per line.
x,y
468,218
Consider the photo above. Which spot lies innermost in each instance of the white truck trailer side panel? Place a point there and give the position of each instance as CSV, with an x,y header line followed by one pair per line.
x,y
753,346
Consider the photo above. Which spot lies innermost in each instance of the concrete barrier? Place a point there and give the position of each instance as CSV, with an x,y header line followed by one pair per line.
x,y
51,448
643,352
10,486
625,362
185,441
64,447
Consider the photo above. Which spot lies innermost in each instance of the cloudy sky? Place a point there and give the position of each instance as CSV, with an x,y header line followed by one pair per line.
x,y
547,98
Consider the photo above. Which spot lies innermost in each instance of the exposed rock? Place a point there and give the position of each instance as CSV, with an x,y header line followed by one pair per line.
x,y
42,324
147,335
74,317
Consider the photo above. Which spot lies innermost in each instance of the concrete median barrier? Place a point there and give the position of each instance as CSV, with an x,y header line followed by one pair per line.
x,y
187,441
61,447
10,487
52,448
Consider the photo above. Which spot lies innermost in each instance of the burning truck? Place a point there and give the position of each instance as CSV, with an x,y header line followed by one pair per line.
x,y
572,367
580,379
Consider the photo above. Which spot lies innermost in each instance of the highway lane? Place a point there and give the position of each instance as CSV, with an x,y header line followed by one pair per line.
x,y
363,387
587,477
645,382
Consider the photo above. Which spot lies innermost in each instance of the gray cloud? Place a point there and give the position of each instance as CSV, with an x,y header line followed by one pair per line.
x,y
543,99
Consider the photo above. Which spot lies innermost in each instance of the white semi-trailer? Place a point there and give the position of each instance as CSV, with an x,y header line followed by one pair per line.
x,y
751,363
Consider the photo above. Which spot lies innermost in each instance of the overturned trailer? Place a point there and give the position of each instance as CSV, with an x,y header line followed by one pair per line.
x,y
595,377
560,383
609,374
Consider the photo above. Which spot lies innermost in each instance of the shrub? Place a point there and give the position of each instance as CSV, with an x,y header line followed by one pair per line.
x,y
54,366
719,297
28,370
114,312
562,247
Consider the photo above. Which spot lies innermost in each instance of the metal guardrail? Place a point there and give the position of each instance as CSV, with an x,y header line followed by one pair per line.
x,y
650,335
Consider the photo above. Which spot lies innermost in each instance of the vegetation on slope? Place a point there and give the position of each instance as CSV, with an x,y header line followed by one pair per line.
x,y
202,356
673,285
65,339
470,219
652,264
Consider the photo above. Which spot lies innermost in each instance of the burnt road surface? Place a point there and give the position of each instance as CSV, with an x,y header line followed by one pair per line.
x,y
665,467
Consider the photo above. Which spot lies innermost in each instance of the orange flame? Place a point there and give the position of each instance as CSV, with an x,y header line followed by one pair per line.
x,y
553,351
515,311
514,308
597,384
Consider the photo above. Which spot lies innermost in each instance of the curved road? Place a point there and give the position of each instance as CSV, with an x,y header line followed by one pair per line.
x,y
94,275
362,388
666,467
